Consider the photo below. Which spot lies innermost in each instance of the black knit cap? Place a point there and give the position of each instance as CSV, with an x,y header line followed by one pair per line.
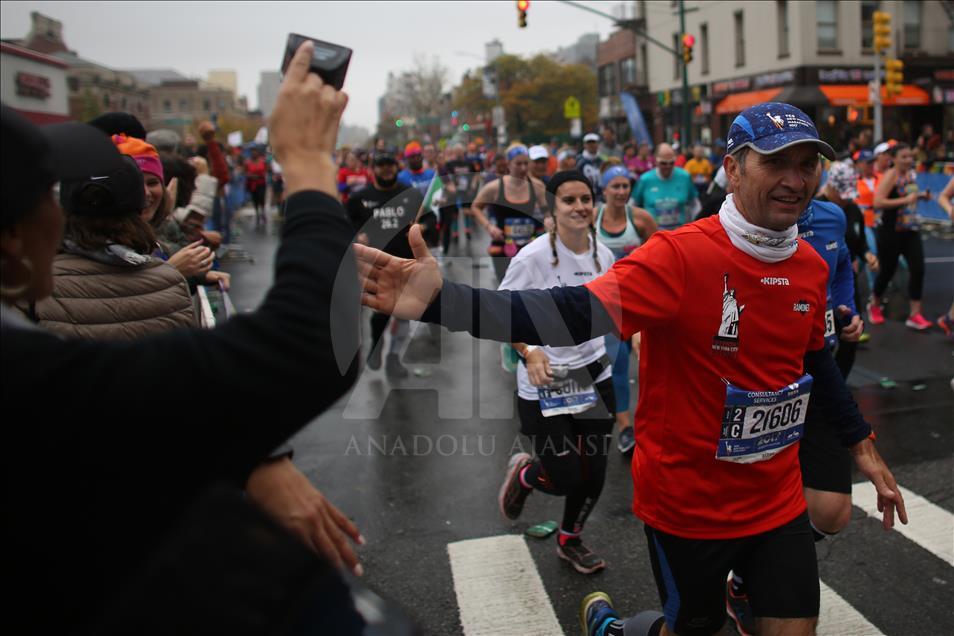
x,y
119,123
564,176
35,158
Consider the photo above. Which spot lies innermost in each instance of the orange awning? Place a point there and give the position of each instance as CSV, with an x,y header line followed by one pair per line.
x,y
857,95
740,101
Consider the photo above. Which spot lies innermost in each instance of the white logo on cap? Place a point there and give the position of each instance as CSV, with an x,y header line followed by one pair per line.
x,y
777,120
98,178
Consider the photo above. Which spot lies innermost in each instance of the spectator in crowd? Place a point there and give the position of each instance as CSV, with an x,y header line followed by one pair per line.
x,y
213,152
629,159
134,548
105,283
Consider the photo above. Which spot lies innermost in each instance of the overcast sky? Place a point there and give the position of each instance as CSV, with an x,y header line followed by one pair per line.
x,y
249,37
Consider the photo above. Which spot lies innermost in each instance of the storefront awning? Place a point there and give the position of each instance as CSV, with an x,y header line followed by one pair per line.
x,y
802,96
857,95
740,101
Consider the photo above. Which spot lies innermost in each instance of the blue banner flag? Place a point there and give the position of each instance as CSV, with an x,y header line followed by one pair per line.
x,y
636,122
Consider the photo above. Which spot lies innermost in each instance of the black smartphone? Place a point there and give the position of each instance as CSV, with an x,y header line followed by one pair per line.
x,y
329,61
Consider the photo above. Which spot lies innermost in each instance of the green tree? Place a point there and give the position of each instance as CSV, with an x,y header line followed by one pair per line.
x,y
532,93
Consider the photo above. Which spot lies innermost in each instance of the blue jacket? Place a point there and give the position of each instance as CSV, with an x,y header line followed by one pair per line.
x,y
823,227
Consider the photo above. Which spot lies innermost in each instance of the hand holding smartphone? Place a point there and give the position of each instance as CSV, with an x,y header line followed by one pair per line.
x,y
328,61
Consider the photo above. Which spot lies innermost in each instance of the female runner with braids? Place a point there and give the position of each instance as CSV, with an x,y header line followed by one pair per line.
x,y
622,228
566,401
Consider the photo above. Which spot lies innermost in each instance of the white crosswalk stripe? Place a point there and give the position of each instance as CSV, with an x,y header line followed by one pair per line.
x,y
931,527
499,591
836,617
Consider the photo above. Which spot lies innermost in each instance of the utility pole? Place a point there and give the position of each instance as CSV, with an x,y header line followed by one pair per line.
x,y
631,25
876,100
686,122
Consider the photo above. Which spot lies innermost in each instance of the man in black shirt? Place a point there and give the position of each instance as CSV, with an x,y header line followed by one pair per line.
x,y
382,213
459,179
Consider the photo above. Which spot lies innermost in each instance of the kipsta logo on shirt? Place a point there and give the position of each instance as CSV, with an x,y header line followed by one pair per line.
x,y
727,339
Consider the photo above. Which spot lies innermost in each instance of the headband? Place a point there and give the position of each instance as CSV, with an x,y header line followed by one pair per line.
x,y
612,173
517,151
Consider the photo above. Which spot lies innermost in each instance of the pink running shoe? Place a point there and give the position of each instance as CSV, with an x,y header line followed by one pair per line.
x,y
875,315
917,321
945,324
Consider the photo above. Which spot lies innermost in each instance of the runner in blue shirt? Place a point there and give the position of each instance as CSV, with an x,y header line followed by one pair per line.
x,y
415,175
667,192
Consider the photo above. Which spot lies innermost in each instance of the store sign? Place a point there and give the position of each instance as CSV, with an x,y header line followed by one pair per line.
x,y
845,75
731,86
767,80
29,85
944,75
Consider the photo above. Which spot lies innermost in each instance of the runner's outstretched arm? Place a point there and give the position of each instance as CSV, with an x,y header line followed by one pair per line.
x,y
415,290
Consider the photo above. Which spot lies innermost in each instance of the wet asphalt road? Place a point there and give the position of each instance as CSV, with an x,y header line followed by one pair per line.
x,y
417,464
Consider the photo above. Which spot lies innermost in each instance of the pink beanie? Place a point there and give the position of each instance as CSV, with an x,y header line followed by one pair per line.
x,y
145,155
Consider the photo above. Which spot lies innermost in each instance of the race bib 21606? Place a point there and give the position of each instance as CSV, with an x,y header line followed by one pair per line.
x,y
756,425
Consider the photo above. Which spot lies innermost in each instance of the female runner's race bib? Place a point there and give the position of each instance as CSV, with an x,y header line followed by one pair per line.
x,y
757,425
566,397
518,231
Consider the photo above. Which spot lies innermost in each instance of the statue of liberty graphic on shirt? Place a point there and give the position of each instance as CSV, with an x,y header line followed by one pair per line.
x,y
729,329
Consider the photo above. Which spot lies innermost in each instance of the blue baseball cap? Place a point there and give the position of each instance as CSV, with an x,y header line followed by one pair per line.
x,y
863,155
773,126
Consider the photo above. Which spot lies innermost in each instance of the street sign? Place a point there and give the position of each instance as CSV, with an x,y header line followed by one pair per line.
x,y
571,108
498,116
576,127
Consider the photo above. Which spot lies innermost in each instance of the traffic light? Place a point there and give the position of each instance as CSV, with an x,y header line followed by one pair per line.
x,y
882,32
398,122
688,41
522,6
893,77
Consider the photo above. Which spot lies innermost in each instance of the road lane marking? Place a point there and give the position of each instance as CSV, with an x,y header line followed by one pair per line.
x,y
931,527
499,591
836,617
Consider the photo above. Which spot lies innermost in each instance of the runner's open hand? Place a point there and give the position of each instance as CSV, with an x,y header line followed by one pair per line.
x,y
399,286
869,462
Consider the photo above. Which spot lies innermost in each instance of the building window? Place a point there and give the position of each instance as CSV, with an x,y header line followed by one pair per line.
x,y
676,59
183,105
166,106
627,72
739,39
912,25
607,78
781,9
72,83
868,7
704,45
826,12
207,105
123,103
106,100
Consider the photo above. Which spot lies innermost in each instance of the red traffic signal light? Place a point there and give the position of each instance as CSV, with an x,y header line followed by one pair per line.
x,y
688,41
522,6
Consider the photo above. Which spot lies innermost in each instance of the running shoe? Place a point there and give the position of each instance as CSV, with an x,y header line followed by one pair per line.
x,y
393,367
583,560
918,322
626,440
738,609
875,315
374,359
596,611
946,325
865,337
512,493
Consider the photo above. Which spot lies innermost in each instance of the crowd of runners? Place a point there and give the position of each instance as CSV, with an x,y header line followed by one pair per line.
x,y
731,275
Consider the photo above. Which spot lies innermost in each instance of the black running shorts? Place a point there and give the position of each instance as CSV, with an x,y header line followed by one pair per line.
x,y
781,575
826,463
